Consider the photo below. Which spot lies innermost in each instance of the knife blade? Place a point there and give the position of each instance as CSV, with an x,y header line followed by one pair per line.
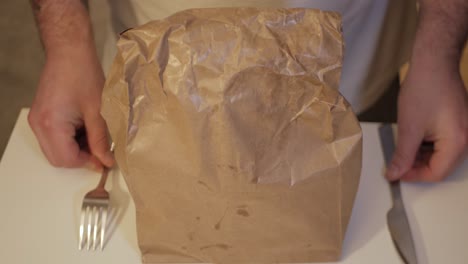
x,y
397,220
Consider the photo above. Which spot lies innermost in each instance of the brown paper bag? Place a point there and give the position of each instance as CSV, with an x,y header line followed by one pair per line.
x,y
232,137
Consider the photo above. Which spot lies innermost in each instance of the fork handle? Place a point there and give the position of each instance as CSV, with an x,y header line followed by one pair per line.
x,y
105,171
102,181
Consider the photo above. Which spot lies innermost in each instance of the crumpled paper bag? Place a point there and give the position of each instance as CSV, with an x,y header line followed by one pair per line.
x,y
232,136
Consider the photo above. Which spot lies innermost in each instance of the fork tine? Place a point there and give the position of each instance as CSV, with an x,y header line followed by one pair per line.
x,y
96,214
103,225
82,223
88,231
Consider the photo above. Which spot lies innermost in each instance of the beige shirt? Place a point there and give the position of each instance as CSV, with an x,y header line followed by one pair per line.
x,y
371,59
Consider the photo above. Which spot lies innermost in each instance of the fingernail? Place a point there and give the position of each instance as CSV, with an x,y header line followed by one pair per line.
x,y
392,172
110,157
92,166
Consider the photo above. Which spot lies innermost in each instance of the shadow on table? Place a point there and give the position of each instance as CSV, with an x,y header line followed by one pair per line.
x,y
119,202
368,218
418,191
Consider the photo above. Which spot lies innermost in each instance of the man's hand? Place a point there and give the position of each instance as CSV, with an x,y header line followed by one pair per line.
x,y
433,106
433,103
68,97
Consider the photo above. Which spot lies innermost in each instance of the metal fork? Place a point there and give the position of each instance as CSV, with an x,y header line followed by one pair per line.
x,y
94,214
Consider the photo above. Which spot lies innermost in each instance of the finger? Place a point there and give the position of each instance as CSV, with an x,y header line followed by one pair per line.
x,y
67,152
97,139
56,142
63,151
447,153
45,147
94,164
409,140
35,127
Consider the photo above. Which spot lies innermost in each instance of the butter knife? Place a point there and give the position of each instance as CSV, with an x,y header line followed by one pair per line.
x,y
397,220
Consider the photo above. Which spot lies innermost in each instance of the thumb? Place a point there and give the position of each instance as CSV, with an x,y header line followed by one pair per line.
x,y
98,142
407,147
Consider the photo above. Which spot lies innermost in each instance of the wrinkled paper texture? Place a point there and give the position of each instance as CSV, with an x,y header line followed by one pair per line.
x,y
232,136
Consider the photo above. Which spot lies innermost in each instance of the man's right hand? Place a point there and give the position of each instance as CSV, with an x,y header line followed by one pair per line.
x,y
68,98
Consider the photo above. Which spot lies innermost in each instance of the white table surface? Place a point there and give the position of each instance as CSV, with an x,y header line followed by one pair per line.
x,y
40,206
